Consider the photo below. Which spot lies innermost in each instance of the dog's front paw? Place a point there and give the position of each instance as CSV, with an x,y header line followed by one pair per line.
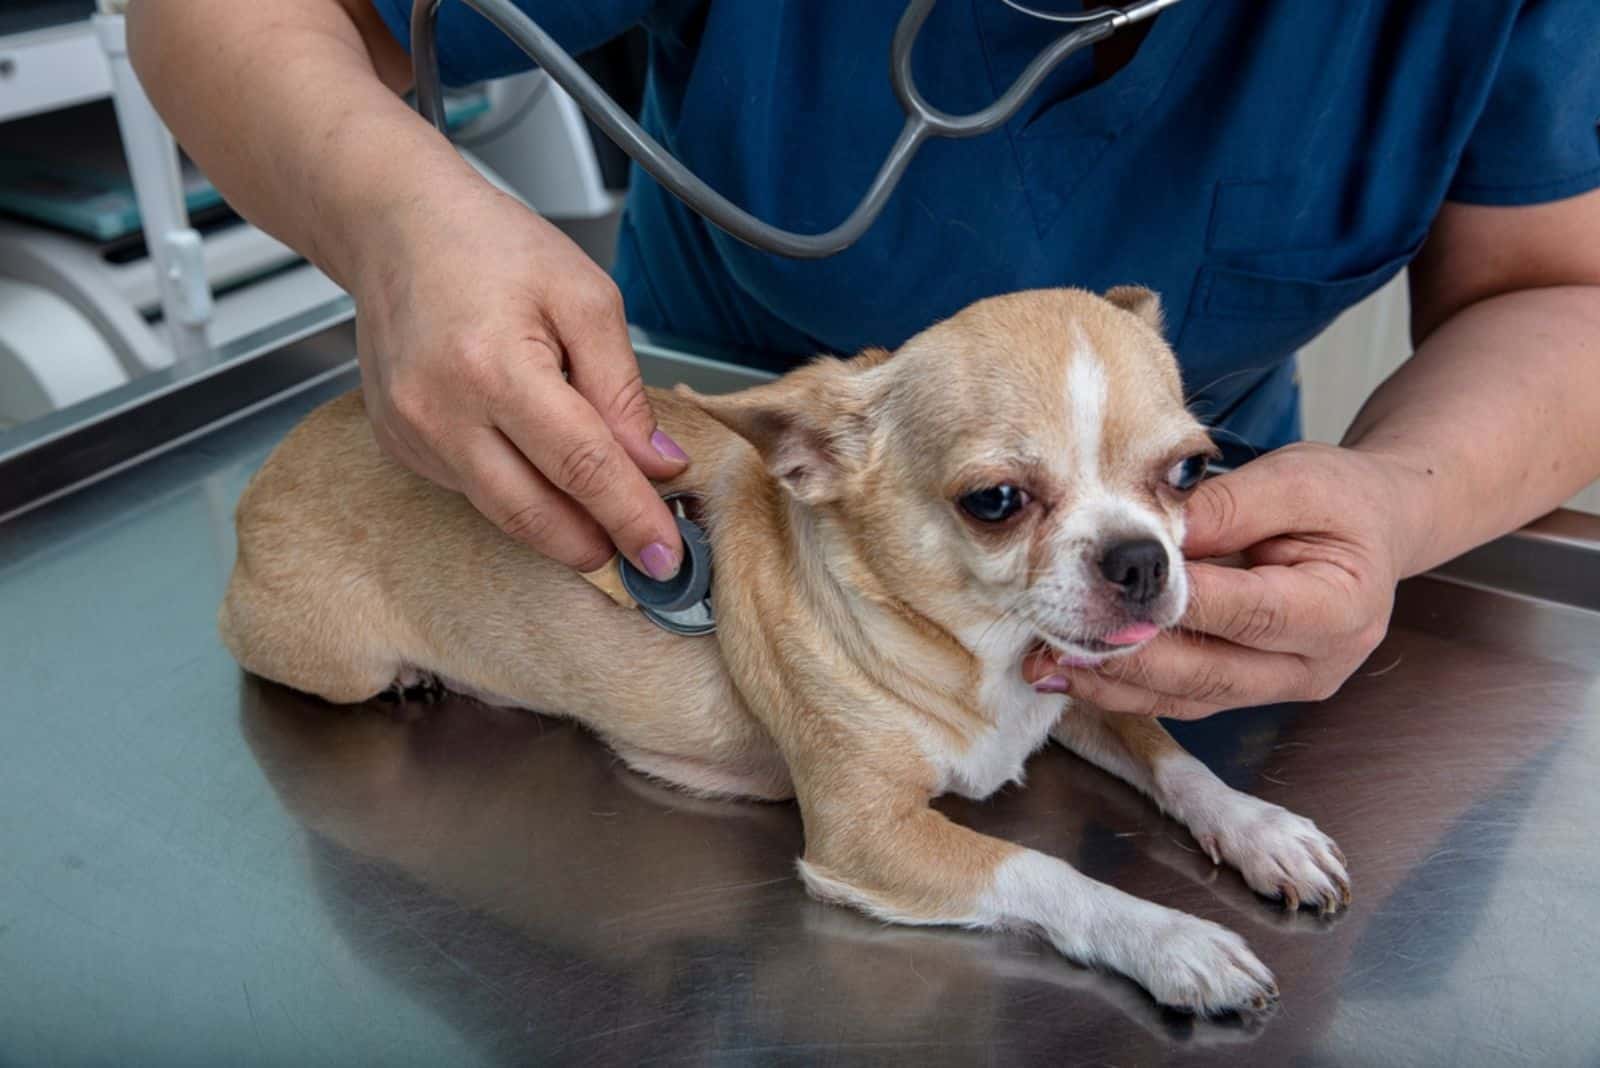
x,y
1200,967
1280,855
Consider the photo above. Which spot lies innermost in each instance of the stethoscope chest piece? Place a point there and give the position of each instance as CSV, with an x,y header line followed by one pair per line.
x,y
681,604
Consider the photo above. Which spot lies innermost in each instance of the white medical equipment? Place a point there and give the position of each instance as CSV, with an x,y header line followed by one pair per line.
x,y
86,305
81,314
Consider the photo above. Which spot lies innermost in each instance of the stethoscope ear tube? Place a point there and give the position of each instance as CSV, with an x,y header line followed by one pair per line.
x,y
922,120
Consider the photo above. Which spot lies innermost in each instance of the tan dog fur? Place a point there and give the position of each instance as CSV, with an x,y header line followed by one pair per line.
x,y
869,640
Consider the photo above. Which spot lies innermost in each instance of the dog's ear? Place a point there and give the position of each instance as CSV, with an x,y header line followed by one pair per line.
x,y
812,427
1141,302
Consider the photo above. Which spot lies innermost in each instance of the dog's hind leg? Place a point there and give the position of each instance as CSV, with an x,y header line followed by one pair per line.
x,y
305,643
1281,855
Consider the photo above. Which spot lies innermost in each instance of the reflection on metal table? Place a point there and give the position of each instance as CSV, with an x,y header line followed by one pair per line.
x,y
202,868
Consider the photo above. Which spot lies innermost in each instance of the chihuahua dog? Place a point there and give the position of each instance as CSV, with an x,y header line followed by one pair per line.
x,y
893,535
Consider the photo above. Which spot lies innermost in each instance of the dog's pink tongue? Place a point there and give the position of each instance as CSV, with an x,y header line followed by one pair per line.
x,y
1132,634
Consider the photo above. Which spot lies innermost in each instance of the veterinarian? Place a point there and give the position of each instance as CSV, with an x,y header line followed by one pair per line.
x,y
1262,166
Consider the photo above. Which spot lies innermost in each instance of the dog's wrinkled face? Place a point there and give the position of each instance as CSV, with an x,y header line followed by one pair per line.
x,y
1015,473
1043,453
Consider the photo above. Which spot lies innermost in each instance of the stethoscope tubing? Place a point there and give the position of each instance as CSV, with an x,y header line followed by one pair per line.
x,y
923,121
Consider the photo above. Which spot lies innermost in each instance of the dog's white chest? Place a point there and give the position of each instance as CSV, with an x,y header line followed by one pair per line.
x,y
1022,719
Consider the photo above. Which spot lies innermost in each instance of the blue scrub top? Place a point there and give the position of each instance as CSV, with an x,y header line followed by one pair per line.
x,y
1262,164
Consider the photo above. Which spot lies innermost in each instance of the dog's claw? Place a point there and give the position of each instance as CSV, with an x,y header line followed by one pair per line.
x,y
415,688
1267,998
1281,855
1195,966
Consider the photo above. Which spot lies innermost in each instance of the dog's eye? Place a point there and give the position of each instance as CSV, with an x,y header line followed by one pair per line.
x,y
995,504
1186,474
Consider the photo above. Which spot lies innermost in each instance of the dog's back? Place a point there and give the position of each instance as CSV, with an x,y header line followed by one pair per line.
x,y
342,554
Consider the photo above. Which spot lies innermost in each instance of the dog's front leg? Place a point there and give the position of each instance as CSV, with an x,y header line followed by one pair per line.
x,y
1280,854
901,861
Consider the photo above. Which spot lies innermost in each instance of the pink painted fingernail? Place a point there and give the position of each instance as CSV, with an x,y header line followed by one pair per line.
x,y
660,562
1053,684
669,449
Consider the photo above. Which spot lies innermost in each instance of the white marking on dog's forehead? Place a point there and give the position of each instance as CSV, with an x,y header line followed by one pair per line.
x,y
1086,403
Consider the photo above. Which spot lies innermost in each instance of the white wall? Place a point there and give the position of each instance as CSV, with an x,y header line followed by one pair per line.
x,y
1362,348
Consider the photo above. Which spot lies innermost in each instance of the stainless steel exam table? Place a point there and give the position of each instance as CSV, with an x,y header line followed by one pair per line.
x,y
200,868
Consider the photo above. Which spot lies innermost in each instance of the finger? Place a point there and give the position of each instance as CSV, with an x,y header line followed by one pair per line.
x,y
1207,672
1039,665
1273,608
1116,695
572,447
505,487
602,367
1250,504
1044,663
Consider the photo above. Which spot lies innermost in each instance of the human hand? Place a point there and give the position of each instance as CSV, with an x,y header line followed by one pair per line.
x,y
1323,536
495,361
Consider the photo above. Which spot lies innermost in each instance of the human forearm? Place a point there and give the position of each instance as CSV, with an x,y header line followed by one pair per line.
x,y
285,107
495,357
1494,421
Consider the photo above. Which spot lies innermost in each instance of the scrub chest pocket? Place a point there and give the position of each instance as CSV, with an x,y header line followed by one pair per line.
x,y
1272,280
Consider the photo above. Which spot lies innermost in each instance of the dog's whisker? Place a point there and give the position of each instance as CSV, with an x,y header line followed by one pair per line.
x,y
1215,431
1193,394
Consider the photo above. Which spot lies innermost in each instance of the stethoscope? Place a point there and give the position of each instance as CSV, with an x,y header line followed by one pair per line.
x,y
683,604
923,121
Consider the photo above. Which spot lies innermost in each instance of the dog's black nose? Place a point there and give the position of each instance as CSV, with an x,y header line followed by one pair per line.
x,y
1139,567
